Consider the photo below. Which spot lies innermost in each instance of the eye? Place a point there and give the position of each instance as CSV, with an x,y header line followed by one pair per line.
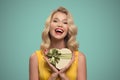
x,y
55,21
65,22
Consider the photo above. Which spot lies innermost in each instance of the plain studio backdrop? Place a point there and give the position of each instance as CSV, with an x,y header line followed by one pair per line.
x,y
98,22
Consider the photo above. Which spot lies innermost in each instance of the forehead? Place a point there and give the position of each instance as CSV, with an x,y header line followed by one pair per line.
x,y
59,15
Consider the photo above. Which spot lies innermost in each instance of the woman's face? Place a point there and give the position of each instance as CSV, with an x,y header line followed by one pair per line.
x,y
59,26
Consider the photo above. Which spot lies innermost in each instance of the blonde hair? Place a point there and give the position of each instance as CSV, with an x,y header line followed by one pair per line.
x,y
70,39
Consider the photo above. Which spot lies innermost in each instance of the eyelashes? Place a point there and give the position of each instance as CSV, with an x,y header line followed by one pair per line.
x,y
56,21
65,22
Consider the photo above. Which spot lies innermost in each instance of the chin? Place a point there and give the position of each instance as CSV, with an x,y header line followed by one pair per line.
x,y
59,38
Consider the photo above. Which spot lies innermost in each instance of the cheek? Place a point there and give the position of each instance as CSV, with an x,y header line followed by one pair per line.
x,y
66,28
52,25
52,28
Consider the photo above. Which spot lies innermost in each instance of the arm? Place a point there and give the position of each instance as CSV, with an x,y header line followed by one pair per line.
x,y
54,75
81,67
62,71
33,67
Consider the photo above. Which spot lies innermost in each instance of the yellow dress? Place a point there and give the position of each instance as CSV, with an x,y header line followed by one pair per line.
x,y
45,71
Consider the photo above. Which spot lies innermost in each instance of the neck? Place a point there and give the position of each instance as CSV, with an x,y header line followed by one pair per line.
x,y
57,44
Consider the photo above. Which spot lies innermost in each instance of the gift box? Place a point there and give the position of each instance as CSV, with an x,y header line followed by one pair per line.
x,y
59,57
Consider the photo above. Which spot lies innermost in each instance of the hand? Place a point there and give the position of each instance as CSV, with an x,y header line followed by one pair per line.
x,y
62,71
55,73
63,76
53,76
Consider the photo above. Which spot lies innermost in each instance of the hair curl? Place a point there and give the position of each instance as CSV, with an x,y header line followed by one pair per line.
x,y
70,39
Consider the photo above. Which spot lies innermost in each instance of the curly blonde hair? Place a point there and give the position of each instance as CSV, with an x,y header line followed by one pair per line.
x,y
70,39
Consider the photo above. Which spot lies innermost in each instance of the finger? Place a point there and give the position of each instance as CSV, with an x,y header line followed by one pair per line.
x,y
48,62
53,76
51,66
45,51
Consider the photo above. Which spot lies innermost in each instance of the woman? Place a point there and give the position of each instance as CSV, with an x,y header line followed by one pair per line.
x,y
60,32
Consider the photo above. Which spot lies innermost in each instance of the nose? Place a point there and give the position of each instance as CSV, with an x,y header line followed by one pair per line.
x,y
59,24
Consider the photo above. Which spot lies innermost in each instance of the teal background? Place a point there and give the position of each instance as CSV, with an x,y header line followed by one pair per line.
x,y
98,22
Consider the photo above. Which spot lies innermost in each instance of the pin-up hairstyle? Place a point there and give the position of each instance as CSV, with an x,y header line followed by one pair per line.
x,y
70,39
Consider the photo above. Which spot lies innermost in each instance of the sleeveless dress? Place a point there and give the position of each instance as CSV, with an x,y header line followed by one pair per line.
x,y
45,71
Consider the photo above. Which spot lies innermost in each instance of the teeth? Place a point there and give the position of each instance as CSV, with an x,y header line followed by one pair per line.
x,y
59,30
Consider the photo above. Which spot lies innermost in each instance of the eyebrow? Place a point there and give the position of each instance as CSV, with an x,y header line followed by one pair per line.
x,y
58,19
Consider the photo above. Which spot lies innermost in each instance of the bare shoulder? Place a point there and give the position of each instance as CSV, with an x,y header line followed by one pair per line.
x,y
82,56
33,67
82,68
33,58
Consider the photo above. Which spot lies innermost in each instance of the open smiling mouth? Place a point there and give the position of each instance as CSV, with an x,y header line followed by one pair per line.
x,y
59,30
